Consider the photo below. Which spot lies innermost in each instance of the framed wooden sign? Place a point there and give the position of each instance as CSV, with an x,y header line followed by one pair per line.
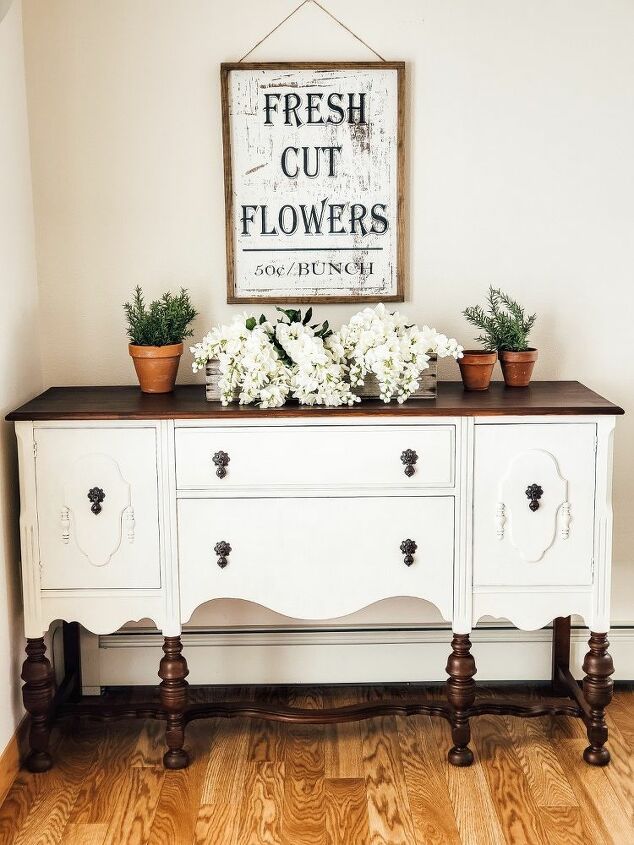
x,y
314,162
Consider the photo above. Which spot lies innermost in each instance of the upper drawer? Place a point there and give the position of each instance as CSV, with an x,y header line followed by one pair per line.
x,y
314,456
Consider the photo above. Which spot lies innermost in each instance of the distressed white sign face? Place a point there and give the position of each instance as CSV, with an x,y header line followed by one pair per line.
x,y
312,170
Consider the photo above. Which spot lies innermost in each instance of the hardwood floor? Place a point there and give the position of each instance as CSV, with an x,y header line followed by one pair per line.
x,y
384,781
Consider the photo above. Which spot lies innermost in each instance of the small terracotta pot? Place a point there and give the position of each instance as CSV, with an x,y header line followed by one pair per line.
x,y
156,366
476,368
517,367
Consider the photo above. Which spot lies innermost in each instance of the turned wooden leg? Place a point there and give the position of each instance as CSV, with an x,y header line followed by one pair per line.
x,y
597,690
173,690
37,693
561,653
461,689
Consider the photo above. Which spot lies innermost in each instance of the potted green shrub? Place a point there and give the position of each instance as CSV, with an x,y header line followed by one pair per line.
x,y
156,335
506,327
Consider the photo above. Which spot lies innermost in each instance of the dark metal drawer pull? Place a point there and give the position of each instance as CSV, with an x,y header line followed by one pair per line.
x,y
221,460
409,458
96,496
223,550
534,492
408,547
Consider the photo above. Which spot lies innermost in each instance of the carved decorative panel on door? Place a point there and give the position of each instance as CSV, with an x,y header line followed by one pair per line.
x,y
97,507
531,510
97,514
533,504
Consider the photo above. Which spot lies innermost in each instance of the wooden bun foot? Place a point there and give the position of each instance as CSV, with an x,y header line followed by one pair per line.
x,y
596,756
39,761
460,756
178,759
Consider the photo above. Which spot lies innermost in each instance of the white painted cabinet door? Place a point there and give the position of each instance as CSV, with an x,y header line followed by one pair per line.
x,y
316,558
97,507
534,504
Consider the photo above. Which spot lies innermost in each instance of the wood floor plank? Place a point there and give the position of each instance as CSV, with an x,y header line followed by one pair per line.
x,y
267,740
106,776
85,834
222,793
620,772
343,749
564,727
469,794
563,825
224,775
546,779
433,818
150,745
621,712
516,809
389,813
602,813
18,804
131,822
49,815
346,811
176,812
262,807
304,818
216,824
25,792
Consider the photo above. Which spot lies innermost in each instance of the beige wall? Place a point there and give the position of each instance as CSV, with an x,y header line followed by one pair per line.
x,y
520,171
20,374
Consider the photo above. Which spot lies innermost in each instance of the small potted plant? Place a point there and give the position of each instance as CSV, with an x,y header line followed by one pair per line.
x,y
476,368
505,327
156,335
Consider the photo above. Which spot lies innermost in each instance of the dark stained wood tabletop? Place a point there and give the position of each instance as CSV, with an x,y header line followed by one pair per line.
x,y
188,402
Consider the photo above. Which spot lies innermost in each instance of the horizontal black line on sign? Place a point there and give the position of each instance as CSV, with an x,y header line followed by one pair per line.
x,y
313,249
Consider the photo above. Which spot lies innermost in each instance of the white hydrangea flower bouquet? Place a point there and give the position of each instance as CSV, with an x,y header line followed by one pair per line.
x,y
380,343
267,363
264,363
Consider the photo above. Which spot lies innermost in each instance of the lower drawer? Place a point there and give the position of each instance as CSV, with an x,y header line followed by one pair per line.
x,y
316,558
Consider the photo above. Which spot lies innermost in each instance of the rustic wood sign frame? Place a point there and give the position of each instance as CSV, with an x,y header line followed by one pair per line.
x,y
391,218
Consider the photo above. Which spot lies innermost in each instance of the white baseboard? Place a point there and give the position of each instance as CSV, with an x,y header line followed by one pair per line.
x,y
341,655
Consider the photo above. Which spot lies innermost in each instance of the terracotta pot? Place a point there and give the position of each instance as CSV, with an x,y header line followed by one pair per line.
x,y
156,366
517,367
476,368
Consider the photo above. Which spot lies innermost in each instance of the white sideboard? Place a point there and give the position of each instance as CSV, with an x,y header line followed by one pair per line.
x,y
499,504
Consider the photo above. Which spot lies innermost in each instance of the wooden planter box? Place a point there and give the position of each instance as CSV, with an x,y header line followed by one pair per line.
x,y
428,381
212,377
